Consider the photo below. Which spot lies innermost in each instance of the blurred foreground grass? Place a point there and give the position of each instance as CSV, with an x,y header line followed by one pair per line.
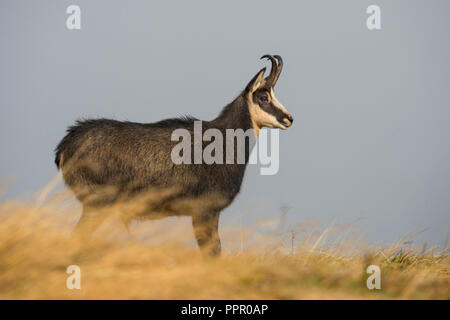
x,y
35,251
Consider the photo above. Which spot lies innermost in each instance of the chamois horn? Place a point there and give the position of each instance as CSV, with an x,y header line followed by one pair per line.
x,y
272,78
279,68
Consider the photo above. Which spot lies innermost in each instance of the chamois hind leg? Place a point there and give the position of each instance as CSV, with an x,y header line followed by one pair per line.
x,y
89,221
206,230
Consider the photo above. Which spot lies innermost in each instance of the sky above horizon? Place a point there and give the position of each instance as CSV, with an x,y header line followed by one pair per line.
x,y
371,137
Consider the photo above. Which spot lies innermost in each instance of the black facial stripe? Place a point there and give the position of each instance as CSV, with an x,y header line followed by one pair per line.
x,y
276,112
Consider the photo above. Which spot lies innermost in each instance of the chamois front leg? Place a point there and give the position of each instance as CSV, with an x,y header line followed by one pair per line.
x,y
206,230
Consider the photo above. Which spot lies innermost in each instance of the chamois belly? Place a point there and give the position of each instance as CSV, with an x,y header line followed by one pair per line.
x,y
152,190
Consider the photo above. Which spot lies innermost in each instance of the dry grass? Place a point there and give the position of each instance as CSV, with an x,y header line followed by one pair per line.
x,y
159,261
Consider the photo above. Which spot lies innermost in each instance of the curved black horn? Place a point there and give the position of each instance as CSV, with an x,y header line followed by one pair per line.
x,y
280,66
272,77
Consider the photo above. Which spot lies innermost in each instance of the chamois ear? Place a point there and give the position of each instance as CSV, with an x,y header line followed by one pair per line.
x,y
256,82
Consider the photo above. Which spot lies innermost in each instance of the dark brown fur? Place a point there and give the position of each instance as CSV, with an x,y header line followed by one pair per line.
x,y
107,162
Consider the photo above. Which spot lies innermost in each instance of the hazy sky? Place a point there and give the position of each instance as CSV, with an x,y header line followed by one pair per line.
x,y
371,137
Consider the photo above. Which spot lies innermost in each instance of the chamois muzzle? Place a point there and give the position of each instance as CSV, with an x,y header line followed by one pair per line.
x,y
288,121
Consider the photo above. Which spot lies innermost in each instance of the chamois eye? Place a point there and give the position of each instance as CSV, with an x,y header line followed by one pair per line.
x,y
264,98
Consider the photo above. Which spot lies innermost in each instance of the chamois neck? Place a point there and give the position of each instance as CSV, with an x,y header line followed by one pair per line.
x,y
235,115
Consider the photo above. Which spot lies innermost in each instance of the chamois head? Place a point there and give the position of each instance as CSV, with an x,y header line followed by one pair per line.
x,y
265,109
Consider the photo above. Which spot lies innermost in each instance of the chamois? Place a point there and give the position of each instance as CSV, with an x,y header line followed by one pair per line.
x,y
107,162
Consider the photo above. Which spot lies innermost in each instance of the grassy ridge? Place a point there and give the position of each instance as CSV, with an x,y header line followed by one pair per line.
x,y
35,251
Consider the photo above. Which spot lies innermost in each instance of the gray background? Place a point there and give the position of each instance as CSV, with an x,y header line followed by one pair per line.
x,y
371,137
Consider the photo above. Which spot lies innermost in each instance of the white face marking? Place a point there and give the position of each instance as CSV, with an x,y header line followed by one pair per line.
x,y
261,118
277,103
